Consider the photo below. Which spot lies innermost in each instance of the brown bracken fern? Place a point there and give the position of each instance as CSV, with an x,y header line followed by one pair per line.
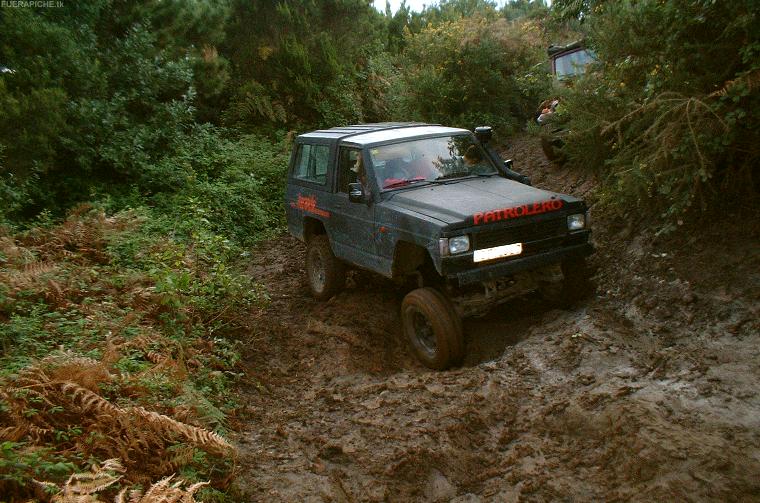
x,y
85,487
62,391
751,80
66,408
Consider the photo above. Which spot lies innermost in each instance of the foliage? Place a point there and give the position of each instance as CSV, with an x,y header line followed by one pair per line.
x,y
301,63
18,461
527,9
110,97
141,307
575,9
84,487
668,121
96,92
233,185
472,71
448,11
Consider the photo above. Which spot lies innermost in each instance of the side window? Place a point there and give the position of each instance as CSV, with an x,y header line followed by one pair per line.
x,y
311,163
349,167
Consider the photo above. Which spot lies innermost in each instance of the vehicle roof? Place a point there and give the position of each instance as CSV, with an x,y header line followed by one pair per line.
x,y
367,134
558,50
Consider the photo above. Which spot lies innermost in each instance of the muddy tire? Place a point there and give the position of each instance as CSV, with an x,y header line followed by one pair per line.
x,y
577,279
575,286
325,274
433,328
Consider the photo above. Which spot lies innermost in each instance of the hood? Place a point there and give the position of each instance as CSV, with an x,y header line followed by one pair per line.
x,y
475,201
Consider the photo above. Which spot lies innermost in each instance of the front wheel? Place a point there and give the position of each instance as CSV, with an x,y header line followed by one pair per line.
x,y
433,328
577,282
575,286
325,273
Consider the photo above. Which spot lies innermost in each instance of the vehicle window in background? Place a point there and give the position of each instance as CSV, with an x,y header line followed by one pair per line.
x,y
430,159
572,64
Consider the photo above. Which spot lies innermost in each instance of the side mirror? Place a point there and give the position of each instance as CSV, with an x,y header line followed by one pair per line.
x,y
356,193
508,163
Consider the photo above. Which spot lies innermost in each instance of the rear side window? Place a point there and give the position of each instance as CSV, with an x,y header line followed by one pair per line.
x,y
311,163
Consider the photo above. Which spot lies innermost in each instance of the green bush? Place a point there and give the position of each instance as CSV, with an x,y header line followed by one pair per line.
x,y
98,93
234,185
667,116
473,71
300,64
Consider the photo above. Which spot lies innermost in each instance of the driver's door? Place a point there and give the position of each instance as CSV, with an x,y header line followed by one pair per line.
x,y
353,223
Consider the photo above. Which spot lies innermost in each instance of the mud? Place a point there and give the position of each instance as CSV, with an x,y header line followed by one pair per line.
x,y
647,391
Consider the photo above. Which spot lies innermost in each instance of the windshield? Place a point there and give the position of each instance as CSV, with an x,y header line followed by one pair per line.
x,y
429,160
572,64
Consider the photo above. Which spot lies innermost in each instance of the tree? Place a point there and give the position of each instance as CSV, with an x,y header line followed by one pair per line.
x,y
300,62
99,91
667,114
469,72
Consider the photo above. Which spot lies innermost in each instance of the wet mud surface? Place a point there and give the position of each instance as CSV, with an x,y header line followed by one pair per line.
x,y
647,391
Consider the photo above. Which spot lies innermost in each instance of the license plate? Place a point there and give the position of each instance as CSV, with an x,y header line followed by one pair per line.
x,y
497,252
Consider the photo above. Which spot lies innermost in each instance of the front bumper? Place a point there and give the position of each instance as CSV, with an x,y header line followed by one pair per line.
x,y
509,267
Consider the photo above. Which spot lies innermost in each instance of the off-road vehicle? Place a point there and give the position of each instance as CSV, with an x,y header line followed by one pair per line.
x,y
435,209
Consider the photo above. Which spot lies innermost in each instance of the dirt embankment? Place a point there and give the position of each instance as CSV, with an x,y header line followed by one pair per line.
x,y
646,392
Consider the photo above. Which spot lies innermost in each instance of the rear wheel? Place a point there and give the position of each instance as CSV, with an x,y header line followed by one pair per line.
x,y
433,328
325,274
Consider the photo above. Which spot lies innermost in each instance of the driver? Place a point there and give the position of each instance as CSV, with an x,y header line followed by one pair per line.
x,y
472,156
361,173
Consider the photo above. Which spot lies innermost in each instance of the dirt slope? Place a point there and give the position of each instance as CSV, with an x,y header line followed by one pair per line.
x,y
648,391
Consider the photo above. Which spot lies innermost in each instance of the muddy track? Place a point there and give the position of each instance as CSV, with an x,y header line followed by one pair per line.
x,y
646,392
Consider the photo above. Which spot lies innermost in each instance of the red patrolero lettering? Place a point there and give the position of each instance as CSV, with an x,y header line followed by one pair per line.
x,y
487,217
309,205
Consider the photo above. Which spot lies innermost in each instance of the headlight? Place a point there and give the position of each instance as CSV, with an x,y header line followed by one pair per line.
x,y
452,246
576,222
459,244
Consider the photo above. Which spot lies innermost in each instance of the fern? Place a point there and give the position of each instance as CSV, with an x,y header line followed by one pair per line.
x,y
62,391
253,102
750,79
84,487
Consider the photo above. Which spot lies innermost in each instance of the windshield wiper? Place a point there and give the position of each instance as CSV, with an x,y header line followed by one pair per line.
x,y
461,174
402,183
455,174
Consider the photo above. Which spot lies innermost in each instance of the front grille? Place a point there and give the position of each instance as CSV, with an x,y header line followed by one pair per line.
x,y
554,227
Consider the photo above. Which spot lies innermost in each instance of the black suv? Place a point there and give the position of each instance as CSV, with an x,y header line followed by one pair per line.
x,y
435,209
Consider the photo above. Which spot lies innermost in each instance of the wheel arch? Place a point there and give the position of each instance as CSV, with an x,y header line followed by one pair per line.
x,y
411,259
312,227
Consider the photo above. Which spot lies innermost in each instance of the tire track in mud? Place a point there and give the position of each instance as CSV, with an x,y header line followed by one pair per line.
x,y
648,391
